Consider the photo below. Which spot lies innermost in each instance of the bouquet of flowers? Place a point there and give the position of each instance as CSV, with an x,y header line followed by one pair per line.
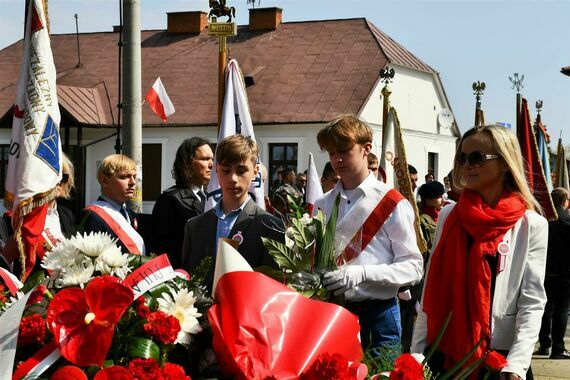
x,y
308,252
102,314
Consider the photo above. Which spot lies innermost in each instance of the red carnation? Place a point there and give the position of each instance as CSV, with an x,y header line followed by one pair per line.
x,y
328,366
143,369
2,291
115,372
406,367
142,309
495,361
69,372
174,372
32,330
162,326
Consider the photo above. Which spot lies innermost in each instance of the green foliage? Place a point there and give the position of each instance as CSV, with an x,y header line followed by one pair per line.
x,y
143,348
309,250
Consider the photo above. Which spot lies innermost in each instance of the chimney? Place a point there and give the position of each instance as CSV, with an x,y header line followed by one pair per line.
x,y
186,22
265,18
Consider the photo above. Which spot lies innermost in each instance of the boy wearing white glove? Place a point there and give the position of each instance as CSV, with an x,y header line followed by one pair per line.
x,y
376,244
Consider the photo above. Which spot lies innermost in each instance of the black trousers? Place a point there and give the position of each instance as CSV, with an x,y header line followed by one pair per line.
x,y
555,316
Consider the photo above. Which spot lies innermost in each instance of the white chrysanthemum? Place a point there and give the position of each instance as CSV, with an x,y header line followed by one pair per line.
x,y
93,244
113,262
180,304
78,274
62,256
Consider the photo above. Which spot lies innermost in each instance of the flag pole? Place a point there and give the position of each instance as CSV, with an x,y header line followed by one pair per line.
x,y
386,76
222,30
478,88
516,84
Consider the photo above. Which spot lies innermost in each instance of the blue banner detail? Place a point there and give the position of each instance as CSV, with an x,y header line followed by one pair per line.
x,y
48,147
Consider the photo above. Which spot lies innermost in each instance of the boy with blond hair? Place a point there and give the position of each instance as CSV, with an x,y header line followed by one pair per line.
x,y
376,244
109,213
236,215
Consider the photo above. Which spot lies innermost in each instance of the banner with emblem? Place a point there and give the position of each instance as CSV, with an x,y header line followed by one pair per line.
x,y
236,120
394,167
34,165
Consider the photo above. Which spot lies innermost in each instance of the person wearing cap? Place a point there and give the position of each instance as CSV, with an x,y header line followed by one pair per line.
x,y
431,195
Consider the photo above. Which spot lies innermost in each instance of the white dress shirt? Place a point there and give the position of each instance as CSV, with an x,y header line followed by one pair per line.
x,y
392,258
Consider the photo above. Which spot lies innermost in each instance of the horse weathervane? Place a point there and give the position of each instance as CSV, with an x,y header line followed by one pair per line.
x,y
219,9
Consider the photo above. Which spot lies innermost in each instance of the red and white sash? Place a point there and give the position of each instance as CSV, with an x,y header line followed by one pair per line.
x,y
119,225
361,223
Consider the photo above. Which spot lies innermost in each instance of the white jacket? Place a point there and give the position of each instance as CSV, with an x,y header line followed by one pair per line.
x,y
519,297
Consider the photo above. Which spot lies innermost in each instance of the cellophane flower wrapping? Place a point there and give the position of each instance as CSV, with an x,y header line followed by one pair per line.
x,y
263,329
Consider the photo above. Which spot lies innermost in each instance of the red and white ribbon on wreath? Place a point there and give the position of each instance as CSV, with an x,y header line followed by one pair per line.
x,y
143,279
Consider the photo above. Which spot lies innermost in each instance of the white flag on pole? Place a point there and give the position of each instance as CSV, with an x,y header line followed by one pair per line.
x,y
236,119
314,188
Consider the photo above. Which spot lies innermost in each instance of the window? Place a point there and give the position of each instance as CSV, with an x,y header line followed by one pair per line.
x,y
152,173
281,156
4,154
432,164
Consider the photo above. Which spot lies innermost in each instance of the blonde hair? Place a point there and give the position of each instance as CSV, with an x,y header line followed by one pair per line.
x,y
343,132
236,148
507,147
115,163
69,169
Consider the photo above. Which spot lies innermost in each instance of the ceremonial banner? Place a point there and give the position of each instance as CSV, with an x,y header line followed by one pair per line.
x,y
314,188
534,171
236,120
159,101
34,166
541,141
394,167
561,168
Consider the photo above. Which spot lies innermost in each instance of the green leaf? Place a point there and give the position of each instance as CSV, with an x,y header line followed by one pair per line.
x,y
143,348
34,280
326,254
458,365
282,255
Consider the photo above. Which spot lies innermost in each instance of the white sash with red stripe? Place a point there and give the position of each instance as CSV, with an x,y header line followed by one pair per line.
x,y
350,227
121,227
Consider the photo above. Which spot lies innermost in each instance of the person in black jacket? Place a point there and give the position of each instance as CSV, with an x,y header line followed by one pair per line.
x,y
557,281
191,171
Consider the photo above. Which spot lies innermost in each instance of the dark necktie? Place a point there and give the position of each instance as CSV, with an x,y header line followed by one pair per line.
x,y
124,212
202,196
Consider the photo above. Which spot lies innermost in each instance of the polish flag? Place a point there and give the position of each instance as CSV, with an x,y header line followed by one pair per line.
x,y
159,101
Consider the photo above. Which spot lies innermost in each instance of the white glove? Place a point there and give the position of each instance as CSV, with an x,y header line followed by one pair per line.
x,y
344,279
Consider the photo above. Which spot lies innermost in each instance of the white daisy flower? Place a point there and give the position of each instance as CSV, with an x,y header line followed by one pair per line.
x,y
93,244
305,220
78,274
180,305
113,262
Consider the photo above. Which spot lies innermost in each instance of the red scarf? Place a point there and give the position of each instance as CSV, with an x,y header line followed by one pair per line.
x,y
460,277
432,212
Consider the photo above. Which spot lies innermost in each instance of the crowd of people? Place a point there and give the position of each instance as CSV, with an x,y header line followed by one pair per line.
x,y
484,269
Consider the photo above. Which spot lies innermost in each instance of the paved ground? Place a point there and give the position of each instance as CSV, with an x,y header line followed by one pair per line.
x,y
545,368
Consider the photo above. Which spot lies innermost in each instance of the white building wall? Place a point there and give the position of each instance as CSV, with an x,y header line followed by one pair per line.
x,y
417,100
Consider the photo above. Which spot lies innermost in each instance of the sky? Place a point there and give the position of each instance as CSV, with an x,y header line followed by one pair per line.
x,y
465,41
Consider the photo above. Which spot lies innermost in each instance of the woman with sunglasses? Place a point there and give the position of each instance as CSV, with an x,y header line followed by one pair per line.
x,y
488,261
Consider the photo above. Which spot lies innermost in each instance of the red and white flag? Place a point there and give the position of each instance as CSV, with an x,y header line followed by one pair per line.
x,y
314,188
159,101
34,165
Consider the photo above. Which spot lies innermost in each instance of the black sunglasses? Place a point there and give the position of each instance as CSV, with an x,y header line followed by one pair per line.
x,y
64,178
475,158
